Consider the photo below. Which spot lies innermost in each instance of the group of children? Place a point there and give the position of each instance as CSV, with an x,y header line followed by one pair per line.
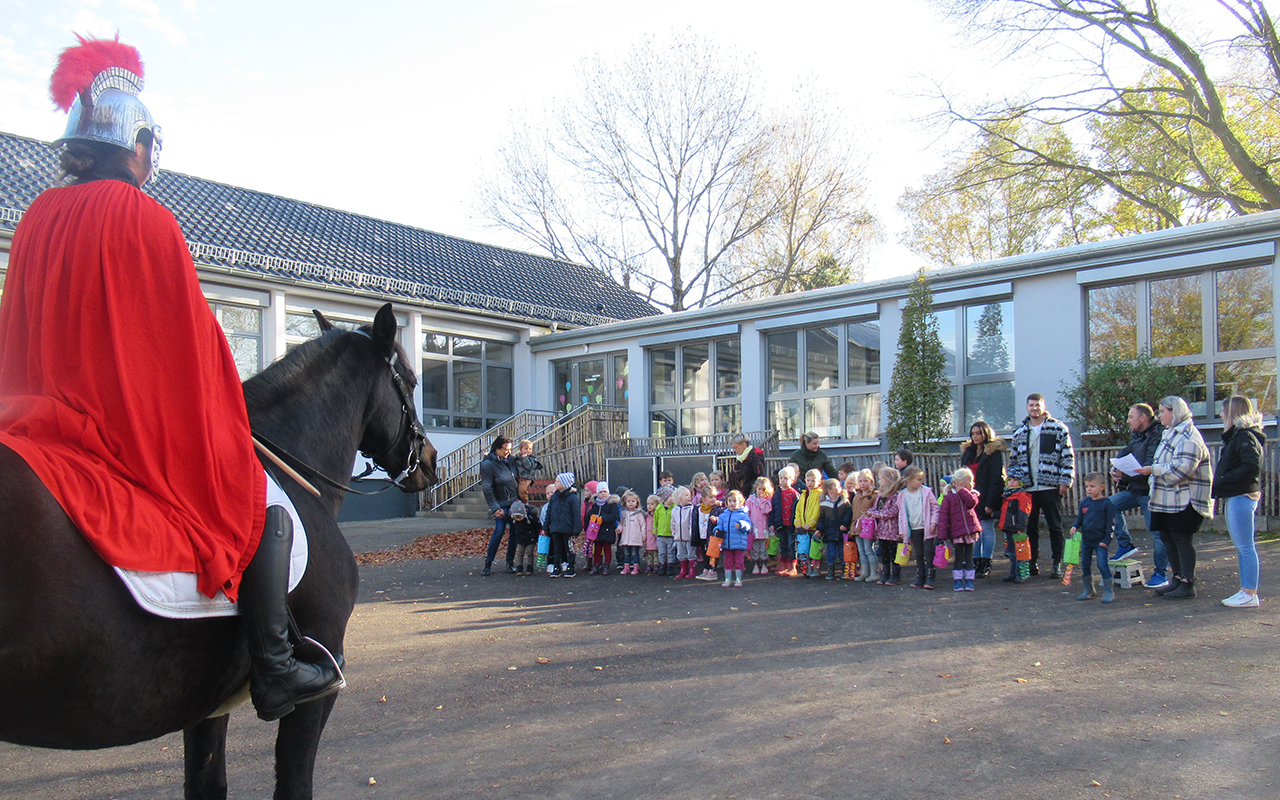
x,y
865,525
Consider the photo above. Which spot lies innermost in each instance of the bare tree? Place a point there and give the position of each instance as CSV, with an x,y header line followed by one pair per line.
x,y
815,180
1181,144
660,169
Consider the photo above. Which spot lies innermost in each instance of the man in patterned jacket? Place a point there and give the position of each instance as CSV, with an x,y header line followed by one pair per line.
x,y
1042,457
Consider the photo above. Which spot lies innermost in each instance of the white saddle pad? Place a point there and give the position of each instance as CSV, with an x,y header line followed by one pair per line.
x,y
174,594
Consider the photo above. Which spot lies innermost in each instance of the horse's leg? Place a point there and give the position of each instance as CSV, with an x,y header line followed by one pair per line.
x,y
205,757
296,745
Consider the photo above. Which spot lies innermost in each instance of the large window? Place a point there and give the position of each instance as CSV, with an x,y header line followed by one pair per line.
x,y
602,379
825,379
1217,327
696,388
978,342
466,382
243,328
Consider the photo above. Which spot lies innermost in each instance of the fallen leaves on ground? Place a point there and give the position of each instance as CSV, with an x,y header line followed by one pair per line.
x,y
456,544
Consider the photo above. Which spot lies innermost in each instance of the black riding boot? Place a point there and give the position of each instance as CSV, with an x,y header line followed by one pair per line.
x,y
277,681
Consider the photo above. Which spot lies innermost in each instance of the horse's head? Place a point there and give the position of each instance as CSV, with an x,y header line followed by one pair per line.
x,y
392,437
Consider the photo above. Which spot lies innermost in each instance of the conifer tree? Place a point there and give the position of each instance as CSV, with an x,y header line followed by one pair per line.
x,y
919,402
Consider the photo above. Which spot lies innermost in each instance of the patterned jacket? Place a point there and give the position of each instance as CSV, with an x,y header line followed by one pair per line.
x,y
1057,465
1181,472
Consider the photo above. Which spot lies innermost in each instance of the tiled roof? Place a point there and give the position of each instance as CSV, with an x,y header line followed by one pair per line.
x,y
275,236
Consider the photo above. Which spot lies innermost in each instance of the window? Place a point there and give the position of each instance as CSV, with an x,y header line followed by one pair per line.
x,y
825,379
707,397
243,328
1234,352
467,383
978,341
603,380
299,327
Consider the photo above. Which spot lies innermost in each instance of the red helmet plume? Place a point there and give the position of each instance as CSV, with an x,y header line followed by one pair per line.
x,y
79,64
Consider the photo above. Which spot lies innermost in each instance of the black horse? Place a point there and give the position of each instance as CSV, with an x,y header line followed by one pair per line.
x,y
83,667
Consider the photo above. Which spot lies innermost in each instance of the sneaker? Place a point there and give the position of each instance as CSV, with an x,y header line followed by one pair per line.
x,y
552,572
1157,582
1241,599
568,573
1123,552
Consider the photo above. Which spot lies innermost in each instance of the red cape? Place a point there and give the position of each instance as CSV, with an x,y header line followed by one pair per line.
x,y
118,388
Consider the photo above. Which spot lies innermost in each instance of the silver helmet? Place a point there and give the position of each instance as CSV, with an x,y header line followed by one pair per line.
x,y
108,110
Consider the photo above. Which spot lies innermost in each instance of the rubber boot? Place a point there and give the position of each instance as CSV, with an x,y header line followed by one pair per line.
x,y
1108,594
983,568
968,579
919,581
895,575
831,571
957,580
882,574
929,574
1057,570
277,681
1088,587
1186,590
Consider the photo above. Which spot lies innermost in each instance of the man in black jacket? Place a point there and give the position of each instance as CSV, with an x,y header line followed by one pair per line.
x,y
1133,491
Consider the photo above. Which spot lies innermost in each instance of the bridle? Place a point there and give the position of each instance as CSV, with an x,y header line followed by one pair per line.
x,y
408,422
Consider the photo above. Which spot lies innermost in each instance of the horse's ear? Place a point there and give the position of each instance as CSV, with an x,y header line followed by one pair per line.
x,y
384,327
325,325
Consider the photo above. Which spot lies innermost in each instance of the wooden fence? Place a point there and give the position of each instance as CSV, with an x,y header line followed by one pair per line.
x,y
1088,459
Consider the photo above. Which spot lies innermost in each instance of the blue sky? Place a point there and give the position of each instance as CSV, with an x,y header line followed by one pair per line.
x,y
392,108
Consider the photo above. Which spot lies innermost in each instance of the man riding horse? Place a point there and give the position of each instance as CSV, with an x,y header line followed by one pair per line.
x,y
118,387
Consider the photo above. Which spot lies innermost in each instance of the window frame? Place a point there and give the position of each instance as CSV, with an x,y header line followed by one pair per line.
x,y
841,393
715,408
1211,357
484,417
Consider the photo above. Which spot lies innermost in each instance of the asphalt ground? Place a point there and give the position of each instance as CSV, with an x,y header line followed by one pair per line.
x,y
647,687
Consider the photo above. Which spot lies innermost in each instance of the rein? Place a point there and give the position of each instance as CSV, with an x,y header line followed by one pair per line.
x,y
299,470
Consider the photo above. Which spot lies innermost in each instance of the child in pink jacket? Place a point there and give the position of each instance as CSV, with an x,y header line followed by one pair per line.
x,y
958,523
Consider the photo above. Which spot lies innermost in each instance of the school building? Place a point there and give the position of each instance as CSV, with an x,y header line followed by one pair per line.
x,y
503,334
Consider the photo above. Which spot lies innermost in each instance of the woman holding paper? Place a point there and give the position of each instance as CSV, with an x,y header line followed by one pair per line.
x,y
1236,482
1180,493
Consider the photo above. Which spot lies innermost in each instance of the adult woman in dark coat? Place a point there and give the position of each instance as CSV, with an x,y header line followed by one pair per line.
x,y
1235,481
983,454
749,466
498,482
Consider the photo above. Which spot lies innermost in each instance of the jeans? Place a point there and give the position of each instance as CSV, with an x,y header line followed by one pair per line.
x,y
1087,551
500,527
1126,500
835,553
986,544
1048,502
1239,513
786,542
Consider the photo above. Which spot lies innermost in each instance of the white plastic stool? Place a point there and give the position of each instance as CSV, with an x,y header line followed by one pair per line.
x,y
1127,573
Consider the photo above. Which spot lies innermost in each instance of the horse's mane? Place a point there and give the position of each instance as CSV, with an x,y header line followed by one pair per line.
x,y
295,368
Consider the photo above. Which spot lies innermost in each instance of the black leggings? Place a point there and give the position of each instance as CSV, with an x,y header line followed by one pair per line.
x,y
962,555
1178,531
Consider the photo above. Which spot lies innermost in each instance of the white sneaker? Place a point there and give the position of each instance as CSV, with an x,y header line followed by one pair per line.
x,y
1241,599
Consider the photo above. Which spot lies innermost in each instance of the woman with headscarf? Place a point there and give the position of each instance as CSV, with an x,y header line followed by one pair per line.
x,y
1181,490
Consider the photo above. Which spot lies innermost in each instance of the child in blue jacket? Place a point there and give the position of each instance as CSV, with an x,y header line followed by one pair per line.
x,y
734,526
1096,522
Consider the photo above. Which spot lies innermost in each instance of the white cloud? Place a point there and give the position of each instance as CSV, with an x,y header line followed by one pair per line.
x,y
189,5
150,16
88,23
